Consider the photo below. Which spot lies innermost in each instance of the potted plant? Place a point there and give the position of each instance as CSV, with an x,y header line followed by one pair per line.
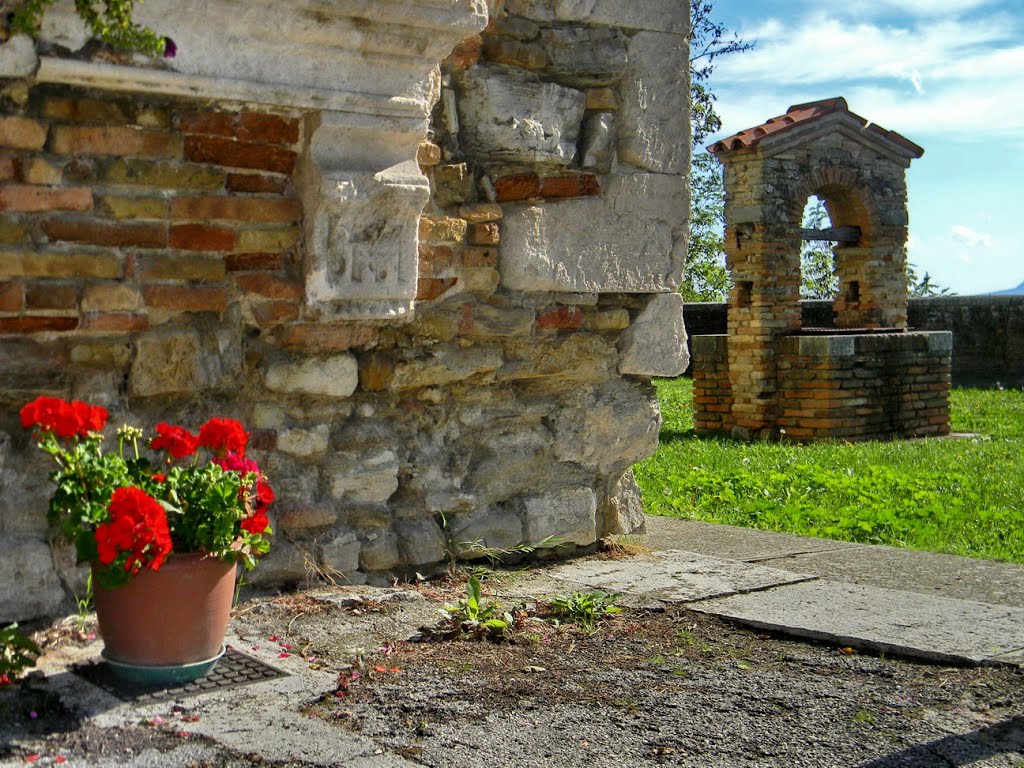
x,y
163,535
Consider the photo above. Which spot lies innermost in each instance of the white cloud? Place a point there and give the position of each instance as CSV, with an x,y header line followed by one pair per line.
x,y
974,71
970,237
916,7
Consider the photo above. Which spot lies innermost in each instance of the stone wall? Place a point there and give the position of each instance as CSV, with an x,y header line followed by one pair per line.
x,y
988,332
479,379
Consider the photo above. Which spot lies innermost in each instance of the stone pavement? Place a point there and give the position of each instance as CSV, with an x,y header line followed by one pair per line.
x,y
913,604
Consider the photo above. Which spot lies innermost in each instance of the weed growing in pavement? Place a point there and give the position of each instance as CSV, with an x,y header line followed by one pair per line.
x,y
83,604
474,615
585,609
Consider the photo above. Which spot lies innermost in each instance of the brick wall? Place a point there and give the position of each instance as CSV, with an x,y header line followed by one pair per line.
x,y
122,215
988,332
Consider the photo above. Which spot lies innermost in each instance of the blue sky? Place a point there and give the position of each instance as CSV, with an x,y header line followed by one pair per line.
x,y
947,74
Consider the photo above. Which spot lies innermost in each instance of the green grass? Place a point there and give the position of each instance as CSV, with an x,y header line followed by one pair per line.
x,y
964,496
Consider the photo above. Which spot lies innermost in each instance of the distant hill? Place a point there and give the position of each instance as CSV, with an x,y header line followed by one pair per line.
x,y
1018,291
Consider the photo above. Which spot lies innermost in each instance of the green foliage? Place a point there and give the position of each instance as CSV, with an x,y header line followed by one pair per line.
x,y
706,278
817,265
963,497
17,652
110,23
585,609
922,287
474,615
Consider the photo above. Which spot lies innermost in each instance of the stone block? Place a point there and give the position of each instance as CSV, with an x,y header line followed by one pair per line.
x,y
444,364
622,510
569,515
597,148
627,241
300,517
341,554
335,376
654,133
166,364
608,429
420,542
584,57
655,344
657,15
573,357
285,564
363,477
33,589
452,185
508,118
305,443
18,57
379,551
483,320
498,527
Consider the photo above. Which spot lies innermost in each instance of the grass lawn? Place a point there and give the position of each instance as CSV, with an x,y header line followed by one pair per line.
x,y
964,496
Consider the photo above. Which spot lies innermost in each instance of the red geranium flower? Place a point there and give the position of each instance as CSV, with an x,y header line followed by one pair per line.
x,y
257,522
138,525
65,419
177,441
224,436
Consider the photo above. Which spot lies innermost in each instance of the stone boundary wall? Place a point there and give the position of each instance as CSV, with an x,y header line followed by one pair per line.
x,y
434,355
850,387
988,332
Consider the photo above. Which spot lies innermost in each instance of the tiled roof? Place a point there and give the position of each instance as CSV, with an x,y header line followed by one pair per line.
x,y
801,114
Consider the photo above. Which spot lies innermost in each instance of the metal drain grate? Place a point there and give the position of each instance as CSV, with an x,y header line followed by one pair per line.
x,y
233,670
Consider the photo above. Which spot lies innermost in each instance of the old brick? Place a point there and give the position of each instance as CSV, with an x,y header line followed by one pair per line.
x,y
27,198
85,110
256,183
36,170
268,285
12,297
245,262
485,234
437,257
77,265
186,298
270,129
442,229
516,54
267,314
37,324
429,288
480,257
51,296
124,141
8,166
335,338
570,186
452,184
22,133
255,210
257,127
114,234
376,372
150,173
428,154
118,207
116,323
517,187
111,297
561,319
266,240
156,267
12,230
466,53
238,154
481,212
480,280
200,237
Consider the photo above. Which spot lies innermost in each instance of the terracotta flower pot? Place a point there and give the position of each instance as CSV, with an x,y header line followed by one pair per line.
x,y
167,620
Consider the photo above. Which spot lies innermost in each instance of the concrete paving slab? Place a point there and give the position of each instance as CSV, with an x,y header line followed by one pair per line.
x,y
909,624
731,542
927,573
675,576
